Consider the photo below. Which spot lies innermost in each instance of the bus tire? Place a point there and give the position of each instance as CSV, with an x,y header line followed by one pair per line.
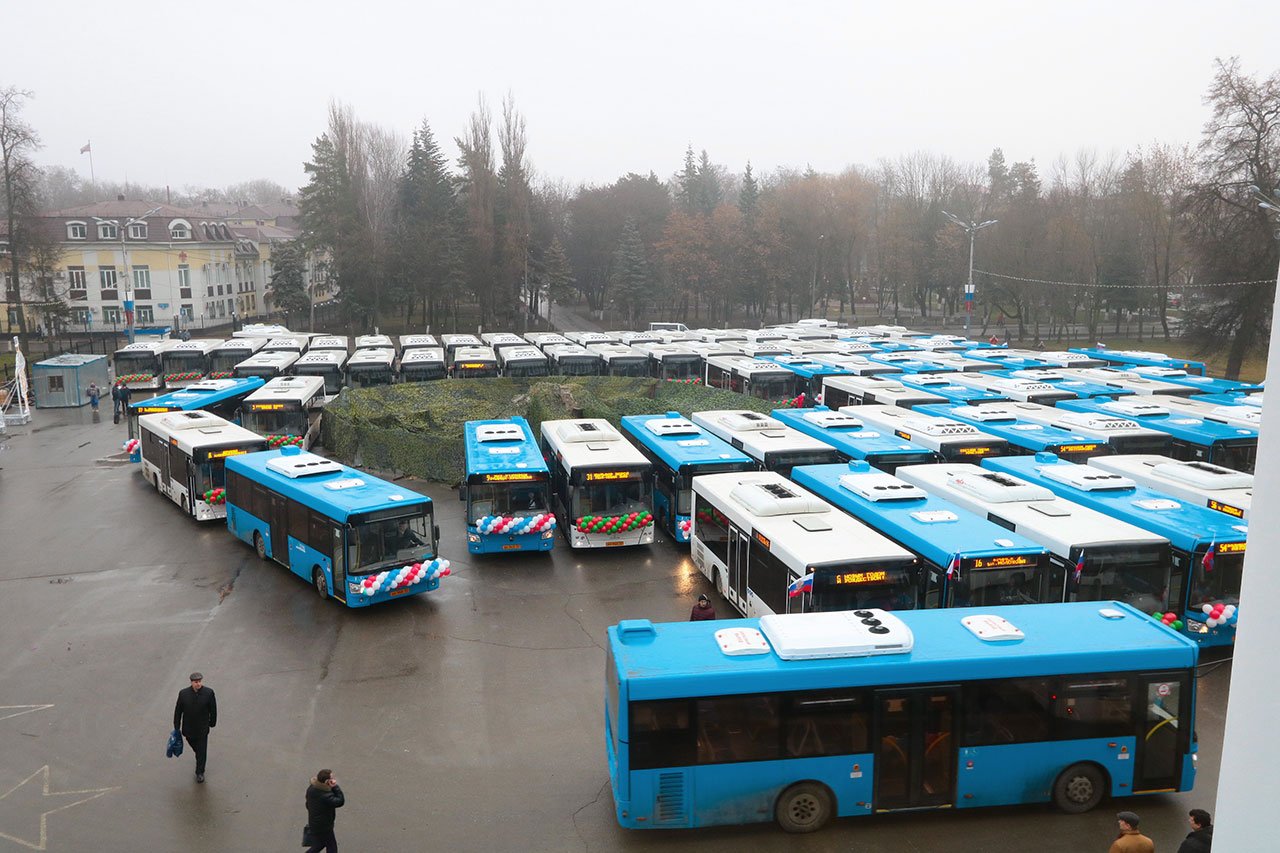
x,y
1079,788
318,581
259,545
185,507
804,807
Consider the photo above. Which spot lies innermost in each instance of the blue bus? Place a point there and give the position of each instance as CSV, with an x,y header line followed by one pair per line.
x,y
680,450
853,439
1230,398
804,717
1141,358
909,361
1027,436
1011,359
1195,438
945,385
507,489
1066,380
221,397
1208,547
968,560
355,537
1202,384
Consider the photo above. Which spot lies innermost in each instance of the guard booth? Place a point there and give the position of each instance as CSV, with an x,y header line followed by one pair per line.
x,y
60,382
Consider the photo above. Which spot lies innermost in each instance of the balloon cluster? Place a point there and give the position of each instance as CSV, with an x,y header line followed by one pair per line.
x,y
216,496
692,381
274,441
136,377
712,515
686,526
1169,619
614,523
182,377
404,576
515,524
796,402
132,445
220,374
1219,614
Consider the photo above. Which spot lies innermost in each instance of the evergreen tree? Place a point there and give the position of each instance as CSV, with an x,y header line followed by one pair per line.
x,y
749,196
288,278
687,184
709,193
630,281
331,221
428,262
557,275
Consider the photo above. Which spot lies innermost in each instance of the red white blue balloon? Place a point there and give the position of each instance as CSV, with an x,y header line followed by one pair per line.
x,y
404,576
498,524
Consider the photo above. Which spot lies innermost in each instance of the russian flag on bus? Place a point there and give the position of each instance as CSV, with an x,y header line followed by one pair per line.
x,y
953,570
1207,562
800,586
1079,566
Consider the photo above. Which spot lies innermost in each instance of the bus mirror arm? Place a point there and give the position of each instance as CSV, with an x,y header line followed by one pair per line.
x,y
462,491
436,531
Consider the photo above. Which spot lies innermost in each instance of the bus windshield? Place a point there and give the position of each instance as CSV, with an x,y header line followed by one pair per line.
x,y
577,367
376,543
363,376
135,362
519,500
889,585
276,423
480,372
1134,574
784,460
617,497
211,475
988,587
685,367
181,361
890,462
219,361
423,373
1220,584
773,387
1237,457
628,367
539,369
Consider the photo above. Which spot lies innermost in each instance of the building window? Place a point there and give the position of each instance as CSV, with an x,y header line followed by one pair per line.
x,y
138,231
142,282
55,382
108,231
145,314
188,312
76,279
77,231
107,282
184,280
210,289
81,316
179,229
110,314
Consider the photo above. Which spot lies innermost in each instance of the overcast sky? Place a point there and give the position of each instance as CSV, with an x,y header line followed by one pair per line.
x,y
211,94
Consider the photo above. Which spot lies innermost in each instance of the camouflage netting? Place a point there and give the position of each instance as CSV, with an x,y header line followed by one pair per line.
x,y
416,428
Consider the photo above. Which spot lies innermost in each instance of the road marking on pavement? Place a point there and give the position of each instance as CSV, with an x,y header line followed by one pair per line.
x,y
42,842
7,711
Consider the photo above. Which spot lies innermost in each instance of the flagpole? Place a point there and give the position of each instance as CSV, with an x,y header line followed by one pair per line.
x,y
93,179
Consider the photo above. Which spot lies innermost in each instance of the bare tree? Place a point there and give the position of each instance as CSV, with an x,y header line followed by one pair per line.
x,y
19,177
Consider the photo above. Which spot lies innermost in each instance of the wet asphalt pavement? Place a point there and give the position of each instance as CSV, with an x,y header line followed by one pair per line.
x,y
466,719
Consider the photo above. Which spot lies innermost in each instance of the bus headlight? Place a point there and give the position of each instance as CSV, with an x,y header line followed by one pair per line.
x,y
473,537
547,534
1197,627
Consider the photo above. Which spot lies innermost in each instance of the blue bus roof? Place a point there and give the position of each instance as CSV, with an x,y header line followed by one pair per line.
x,y
689,444
1179,424
338,492
855,442
1149,359
1185,525
207,392
805,367
1019,432
1206,384
1228,398
682,659
502,446
932,527
953,391
911,365
1067,381
1015,362
893,345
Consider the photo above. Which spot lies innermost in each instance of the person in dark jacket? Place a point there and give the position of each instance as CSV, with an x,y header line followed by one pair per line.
x,y
702,610
324,798
194,714
1200,838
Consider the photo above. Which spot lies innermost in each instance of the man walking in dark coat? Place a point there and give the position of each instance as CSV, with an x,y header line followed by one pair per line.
x,y
703,610
324,798
194,714
1200,838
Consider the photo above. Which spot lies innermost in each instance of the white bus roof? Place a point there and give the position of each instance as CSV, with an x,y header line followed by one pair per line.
x,y
196,429
744,365
1198,482
928,431
1090,423
250,345
497,340
585,338
633,338
610,352
754,433
261,330
802,529
297,389
658,351
559,351
408,342
755,349
152,347
460,340
1014,388
469,353
329,342
590,442
418,355
884,389
384,356
203,346
288,344
1238,415
374,342
323,357
542,340
1034,511
279,359
527,352
1132,381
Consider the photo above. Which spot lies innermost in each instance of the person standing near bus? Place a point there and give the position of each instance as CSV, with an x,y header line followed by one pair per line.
x,y
93,392
1200,838
1130,840
194,714
324,798
703,610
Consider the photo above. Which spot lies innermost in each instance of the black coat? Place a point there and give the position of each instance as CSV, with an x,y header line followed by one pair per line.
x,y
1197,841
322,802
195,713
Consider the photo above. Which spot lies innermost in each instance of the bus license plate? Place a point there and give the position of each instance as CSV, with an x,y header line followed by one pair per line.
x,y
613,544
511,547
396,592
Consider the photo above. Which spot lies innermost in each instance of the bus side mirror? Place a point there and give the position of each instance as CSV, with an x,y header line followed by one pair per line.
x,y
436,531
462,492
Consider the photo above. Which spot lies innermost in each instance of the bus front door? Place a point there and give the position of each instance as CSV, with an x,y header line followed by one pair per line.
x,y
737,562
915,748
279,523
1162,736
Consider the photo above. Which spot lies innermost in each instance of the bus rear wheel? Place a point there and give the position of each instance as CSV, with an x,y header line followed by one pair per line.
x,y
259,546
1079,788
317,579
804,807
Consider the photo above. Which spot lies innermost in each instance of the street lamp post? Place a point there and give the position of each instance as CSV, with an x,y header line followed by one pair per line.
x,y
813,286
972,228
124,260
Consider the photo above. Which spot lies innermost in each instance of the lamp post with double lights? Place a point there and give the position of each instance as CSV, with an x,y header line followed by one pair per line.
x,y
972,228
121,231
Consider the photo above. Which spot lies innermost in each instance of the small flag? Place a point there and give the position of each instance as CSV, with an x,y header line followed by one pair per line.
x,y
800,586
1079,566
87,148
1207,562
953,570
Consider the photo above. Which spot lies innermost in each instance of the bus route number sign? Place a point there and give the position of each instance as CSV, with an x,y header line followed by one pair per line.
x,y
973,451
230,451
608,476
761,538
1002,562
859,578
153,410
513,477
1077,448
266,407
1230,547
1227,508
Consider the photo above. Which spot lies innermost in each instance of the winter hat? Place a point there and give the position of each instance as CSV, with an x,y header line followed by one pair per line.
x,y
1129,818
703,597
195,676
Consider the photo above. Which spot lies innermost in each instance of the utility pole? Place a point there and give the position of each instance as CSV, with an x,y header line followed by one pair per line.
x,y
124,260
972,228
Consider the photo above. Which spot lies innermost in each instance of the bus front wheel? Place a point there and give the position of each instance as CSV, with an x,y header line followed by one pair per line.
x,y
804,807
1079,788
317,578
259,546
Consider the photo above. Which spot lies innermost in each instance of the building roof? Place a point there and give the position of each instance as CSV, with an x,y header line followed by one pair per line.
x,y
131,208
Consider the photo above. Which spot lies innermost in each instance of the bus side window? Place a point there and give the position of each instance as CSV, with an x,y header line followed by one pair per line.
x,y
1008,711
1093,709
662,734
298,522
739,728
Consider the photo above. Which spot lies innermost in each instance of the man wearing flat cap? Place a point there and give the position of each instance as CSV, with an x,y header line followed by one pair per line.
x,y
194,714
1130,840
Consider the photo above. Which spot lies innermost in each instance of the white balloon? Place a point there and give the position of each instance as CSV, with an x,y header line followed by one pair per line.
x,y
1208,608
1230,610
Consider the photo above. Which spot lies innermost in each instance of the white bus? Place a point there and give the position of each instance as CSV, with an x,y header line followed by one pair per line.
x,y
1131,381
633,338
760,349
672,361
1066,358
1093,557
840,391
451,342
329,343
186,362
473,363
183,455
1123,434
542,340
329,364
856,365
225,356
140,365
621,360
770,546
523,360
296,344
498,341
583,339
1021,390
373,366
285,411
266,364
952,439
420,341
573,360
422,364
1242,414
601,485
375,342
771,444
263,331
766,380
720,336
957,362
1197,482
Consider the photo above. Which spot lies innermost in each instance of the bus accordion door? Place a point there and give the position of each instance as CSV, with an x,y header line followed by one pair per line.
x,y
916,748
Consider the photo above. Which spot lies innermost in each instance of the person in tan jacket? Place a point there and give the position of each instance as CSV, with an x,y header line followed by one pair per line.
x,y
1130,840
